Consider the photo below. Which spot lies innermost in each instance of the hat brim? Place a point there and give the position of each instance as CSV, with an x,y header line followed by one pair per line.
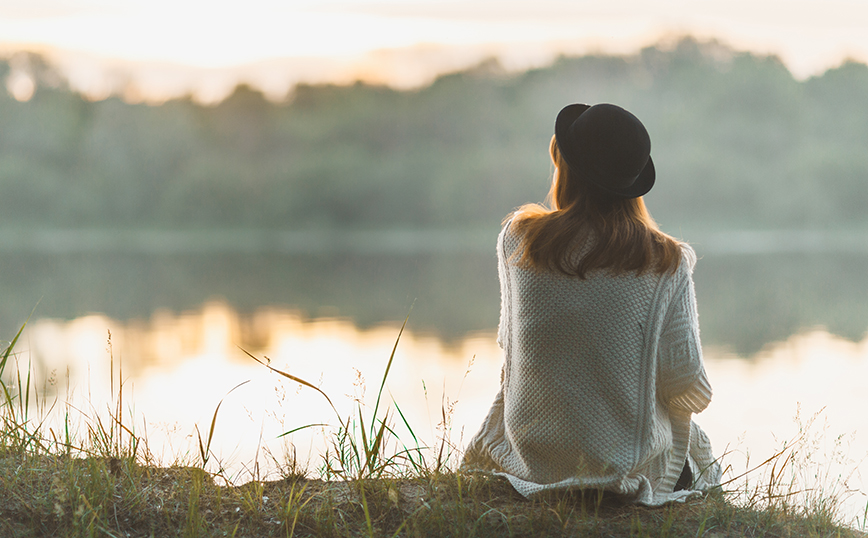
x,y
567,146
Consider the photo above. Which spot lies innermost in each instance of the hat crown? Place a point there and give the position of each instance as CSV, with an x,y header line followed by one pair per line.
x,y
607,146
615,142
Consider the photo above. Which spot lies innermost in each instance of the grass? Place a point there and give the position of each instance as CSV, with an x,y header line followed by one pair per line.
x,y
100,480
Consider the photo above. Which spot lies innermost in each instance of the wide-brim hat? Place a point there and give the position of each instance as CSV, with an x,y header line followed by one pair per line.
x,y
606,146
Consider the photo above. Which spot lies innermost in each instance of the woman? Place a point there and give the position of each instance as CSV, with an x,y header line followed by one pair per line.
x,y
598,323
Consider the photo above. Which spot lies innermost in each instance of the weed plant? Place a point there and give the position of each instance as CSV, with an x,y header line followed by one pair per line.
x,y
101,480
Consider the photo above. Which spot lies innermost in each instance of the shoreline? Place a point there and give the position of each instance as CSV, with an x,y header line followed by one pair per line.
x,y
116,496
757,241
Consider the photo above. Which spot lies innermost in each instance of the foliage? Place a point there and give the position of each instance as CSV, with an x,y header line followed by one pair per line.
x,y
738,142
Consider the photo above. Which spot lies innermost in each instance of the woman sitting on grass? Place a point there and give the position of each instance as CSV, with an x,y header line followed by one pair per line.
x,y
598,323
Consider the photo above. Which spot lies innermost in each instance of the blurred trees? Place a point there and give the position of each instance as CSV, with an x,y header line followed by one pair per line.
x,y
738,143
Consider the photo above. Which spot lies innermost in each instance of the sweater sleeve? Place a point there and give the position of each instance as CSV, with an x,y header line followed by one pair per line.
x,y
697,397
682,381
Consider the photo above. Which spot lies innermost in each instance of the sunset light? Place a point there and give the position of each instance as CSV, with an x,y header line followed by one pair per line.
x,y
170,47
389,267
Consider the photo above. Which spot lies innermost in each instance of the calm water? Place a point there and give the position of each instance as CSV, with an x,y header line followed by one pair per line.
x,y
783,335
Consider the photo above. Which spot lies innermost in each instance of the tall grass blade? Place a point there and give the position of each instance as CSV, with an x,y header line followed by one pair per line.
x,y
25,411
362,426
366,510
111,365
11,345
205,450
407,424
378,443
306,426
389,364
770,459
6,355
408,451
296,379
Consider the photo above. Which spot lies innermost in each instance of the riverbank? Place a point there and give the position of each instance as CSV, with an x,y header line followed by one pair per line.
x,y
62,496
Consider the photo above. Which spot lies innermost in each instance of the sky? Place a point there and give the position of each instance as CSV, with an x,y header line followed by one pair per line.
x,y
155,49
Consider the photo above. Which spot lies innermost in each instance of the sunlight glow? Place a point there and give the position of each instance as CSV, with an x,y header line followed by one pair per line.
x,y
163,45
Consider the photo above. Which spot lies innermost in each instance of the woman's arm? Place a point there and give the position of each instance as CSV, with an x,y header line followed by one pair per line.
x,y
682,381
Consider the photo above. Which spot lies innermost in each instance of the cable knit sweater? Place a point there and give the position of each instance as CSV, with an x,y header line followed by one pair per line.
x,y
599,381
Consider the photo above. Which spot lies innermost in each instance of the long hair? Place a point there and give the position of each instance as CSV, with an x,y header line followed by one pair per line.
x,y
622,235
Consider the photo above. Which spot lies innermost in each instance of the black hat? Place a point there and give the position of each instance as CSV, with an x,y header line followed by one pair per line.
x,y
606,146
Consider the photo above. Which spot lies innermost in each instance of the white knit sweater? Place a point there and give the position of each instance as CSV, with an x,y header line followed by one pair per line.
x,y
599,381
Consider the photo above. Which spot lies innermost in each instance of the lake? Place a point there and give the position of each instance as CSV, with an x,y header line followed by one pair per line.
x,y
783,318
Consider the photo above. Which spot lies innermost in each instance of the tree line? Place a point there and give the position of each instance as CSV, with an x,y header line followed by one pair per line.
x,y
738,142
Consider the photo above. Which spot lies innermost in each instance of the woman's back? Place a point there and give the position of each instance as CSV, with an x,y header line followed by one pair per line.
x,y
579,383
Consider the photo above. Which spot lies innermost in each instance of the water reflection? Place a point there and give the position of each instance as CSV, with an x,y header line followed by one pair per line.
x,y
812,378
746,301
176,369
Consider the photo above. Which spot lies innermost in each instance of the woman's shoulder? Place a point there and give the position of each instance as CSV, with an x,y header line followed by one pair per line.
x,y
509,238
688,258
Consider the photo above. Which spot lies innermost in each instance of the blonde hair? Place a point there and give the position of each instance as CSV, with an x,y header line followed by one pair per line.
x,y
622,233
